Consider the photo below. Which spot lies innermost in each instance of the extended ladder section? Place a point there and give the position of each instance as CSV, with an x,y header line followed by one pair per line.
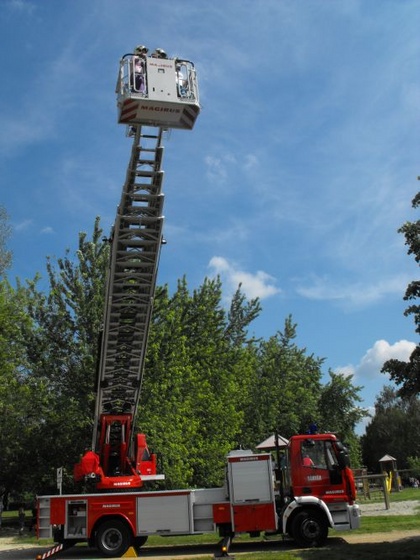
x,y
136,243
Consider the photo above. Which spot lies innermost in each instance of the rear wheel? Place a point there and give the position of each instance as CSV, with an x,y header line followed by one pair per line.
x,y
140,541
309,529
113,538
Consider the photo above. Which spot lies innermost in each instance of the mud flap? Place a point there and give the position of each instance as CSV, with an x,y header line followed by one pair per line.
x,y
224,545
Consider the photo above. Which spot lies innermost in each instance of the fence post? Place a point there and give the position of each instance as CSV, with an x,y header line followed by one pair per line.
x,y
384,476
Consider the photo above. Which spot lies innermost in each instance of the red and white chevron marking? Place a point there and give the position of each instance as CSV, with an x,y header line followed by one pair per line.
x,y
50,552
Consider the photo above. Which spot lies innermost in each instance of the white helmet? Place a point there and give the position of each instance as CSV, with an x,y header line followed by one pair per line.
x,y
141,49
161,53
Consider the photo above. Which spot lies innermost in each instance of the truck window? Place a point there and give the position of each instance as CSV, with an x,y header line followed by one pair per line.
x,y
314,454
332,461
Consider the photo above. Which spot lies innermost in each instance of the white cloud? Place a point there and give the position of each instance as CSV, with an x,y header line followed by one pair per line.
x,y
233,232
218,167
251,162
47,230
382,351
371,363
346,371
357,294
367,372
259,284
44,103
23,225
22,6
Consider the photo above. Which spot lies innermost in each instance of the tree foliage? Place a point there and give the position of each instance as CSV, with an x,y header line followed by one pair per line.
x,y
414,466
62,349
393,429
340,413
208,385
5,230
407,374
20,396
284,389
196,379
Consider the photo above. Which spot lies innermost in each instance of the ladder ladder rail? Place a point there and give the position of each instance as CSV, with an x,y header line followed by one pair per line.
x,y
131,279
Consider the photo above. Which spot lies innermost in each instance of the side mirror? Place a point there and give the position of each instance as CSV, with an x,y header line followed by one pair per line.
x,y
343,458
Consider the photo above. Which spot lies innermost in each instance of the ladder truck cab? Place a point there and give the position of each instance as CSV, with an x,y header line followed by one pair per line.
x,y
317,489
311,491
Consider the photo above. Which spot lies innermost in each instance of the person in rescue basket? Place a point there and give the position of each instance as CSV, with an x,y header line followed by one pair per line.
x,y
159,53
138,81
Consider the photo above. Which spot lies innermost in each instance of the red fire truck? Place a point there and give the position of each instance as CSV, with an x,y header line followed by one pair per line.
x,y
310,489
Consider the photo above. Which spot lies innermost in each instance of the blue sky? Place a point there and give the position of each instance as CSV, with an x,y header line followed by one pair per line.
x,y
294,181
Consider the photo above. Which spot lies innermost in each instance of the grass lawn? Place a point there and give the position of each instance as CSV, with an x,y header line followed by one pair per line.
x,y
404,495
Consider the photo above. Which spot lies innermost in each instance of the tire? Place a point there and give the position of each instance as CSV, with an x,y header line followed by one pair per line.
x,y
140,541
309,529
113,538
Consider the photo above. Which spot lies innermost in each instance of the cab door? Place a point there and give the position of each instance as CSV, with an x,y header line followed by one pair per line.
x,y
315,470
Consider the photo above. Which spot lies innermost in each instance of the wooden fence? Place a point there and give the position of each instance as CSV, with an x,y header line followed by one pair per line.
x,y
370,484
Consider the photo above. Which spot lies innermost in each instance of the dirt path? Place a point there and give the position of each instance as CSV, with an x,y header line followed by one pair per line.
x,y
389,536
10,550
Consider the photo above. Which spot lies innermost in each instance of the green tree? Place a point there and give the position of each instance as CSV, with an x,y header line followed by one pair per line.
x,y
414,466
339,413
62,348
285,388
20,397
196,380
393,429
5,254
407,374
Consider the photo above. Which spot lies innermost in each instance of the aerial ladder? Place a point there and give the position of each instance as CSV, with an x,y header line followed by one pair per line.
x,y
154,93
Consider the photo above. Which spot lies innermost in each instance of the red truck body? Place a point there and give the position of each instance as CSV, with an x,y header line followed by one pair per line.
x,y
307,500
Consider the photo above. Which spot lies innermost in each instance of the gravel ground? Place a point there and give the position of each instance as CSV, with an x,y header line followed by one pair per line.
x,y
410,507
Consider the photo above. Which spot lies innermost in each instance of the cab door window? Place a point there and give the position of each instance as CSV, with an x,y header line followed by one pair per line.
x,y
320,458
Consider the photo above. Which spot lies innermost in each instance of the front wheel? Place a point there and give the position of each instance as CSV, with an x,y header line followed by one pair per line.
x,y
113,538
310,529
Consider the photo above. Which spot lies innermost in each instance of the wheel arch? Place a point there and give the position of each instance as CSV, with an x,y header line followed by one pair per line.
x,y
113,517
304,504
